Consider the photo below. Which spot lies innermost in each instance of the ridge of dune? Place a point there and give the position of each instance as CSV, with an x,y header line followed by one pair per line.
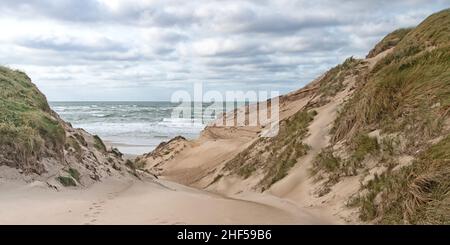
x,y
347,139
36,145
202,162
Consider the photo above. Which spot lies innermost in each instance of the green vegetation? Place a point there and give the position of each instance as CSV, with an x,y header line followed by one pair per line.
x,y
31,134
389,41
81,139
402,98
130,164
434,31
388,145
116,152
132,167
23,141
406,95
364,145
333,81
28,129
17,87
408,90
66,181
140,163
275,156
98,144
110,160
326,161
335,167
417,194
72,179
74,173
71,142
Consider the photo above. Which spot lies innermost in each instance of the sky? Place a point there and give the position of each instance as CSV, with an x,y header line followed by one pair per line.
x,y
144,50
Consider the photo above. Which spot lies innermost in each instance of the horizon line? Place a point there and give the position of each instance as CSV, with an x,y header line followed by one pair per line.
x,y
137,101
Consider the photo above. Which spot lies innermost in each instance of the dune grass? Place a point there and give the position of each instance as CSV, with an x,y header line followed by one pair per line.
x,y
331,167
416,194
363,145
66,181
28,130
98,144
74,174
274,156
390,41
326,161
333,81
408,90
407,94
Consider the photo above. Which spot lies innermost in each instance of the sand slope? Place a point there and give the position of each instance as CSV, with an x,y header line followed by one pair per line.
x,y
201,163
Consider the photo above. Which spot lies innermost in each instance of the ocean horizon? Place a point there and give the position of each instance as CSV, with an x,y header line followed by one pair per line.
x,y
134,127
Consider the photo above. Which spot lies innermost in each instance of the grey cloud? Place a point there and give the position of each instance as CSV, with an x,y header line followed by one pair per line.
x,y
161,44
80,10
282,24
72,44
162,18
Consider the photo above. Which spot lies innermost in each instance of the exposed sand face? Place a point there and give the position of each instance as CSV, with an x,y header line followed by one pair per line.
x,y
299,186
129,201
201,163
194,163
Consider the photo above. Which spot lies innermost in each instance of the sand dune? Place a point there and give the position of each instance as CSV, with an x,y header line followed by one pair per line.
x,y
201,164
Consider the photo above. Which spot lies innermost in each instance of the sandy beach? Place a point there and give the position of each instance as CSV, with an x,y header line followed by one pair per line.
x,y
137,202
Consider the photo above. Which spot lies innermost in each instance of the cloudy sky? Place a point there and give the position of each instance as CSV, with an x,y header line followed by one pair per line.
x,y
146,49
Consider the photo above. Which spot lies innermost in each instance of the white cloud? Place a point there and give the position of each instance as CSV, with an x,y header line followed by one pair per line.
x,y
92,49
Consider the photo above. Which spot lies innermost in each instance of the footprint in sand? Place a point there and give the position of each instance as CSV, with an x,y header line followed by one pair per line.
x,y
112,195
166,222
179,223
95,210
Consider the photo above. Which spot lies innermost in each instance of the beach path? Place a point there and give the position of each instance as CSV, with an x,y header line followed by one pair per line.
x,y
138,202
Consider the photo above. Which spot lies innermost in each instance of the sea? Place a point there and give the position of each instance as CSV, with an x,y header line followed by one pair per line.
x,y
136,127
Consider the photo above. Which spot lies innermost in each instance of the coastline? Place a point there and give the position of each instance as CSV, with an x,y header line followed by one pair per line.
x,y
127,156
